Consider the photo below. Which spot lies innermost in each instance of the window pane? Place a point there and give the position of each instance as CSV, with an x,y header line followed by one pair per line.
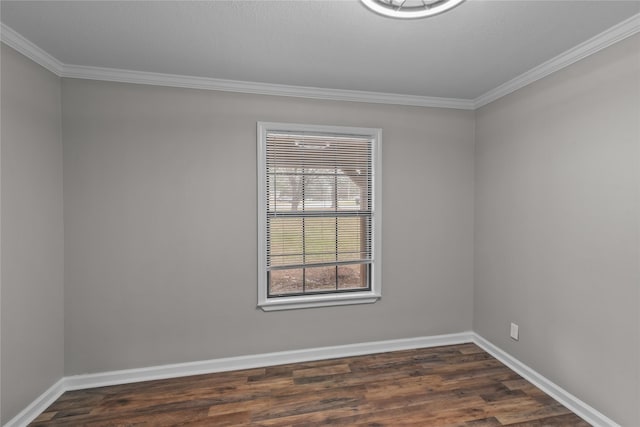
x,y
319,190
285,241
285,282
352,276
353,239
287,190
320,240
320,279
349,193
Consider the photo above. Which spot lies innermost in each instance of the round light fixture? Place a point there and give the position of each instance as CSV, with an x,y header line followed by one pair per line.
x,y
410,9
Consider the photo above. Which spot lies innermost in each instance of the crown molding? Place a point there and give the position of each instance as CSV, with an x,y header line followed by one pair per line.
x,y
595,44
173,80
13,39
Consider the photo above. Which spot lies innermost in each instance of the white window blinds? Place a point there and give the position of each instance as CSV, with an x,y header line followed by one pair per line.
x,y
319,212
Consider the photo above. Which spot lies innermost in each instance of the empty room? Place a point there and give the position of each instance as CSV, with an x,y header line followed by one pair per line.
x,y
320,212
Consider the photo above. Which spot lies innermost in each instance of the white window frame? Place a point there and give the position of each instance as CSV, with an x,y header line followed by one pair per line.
x,y
328,299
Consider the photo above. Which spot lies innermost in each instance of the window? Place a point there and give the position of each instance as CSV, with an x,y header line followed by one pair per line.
x,y
319,215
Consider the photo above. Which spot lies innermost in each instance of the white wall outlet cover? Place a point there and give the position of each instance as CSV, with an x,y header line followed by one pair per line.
x,y
514,331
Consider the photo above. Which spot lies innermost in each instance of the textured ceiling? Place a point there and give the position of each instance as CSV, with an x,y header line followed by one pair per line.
x,y
327,44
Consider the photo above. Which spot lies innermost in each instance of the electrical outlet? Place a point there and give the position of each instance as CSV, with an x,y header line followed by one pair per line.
x,y
514,332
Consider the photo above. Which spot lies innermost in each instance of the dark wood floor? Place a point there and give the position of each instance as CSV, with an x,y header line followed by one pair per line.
x,y
458,385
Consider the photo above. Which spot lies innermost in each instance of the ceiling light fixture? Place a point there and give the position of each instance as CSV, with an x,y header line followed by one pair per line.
x,y
410,9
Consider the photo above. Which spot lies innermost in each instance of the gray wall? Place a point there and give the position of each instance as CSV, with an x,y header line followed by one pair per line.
x,y
160,226
557,231
32,232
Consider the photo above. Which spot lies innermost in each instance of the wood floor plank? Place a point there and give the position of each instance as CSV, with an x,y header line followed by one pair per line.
x,y
342,368
449,386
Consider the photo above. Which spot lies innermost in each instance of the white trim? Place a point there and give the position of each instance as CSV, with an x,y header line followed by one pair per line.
x,y
259,361
173,80
313,301
595,44
580,408
12,39
328,299
38,406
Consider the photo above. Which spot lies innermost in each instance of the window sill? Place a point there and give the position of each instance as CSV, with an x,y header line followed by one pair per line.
x,y
312,301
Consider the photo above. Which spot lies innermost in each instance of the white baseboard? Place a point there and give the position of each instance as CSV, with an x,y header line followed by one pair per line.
x,y
259,360
38,406
77,382
580,408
